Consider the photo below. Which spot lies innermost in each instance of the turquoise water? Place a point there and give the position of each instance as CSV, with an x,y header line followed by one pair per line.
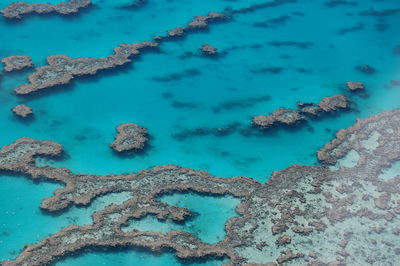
x,y
82,116
206,211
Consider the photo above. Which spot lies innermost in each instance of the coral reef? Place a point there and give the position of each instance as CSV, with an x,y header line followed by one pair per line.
x,y
22,110
292,117
62,69
279,116
16,62
18,9
129,137
199,22
334,103
208,50
355,86
294,218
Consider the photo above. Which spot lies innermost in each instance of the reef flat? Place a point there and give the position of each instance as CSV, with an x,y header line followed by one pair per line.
x,y
18,9
345,213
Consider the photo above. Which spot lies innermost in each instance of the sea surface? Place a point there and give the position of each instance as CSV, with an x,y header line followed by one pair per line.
x,y
174,90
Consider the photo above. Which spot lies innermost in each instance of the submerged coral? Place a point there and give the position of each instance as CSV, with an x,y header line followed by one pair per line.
x,y
18,9
295,217
208,50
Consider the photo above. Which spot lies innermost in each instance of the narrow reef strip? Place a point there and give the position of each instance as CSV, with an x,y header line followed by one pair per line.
x,y
283,116
61,69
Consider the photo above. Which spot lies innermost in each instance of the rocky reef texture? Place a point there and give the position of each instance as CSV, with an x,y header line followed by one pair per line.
x,y
18,9
345,214
279,116
199,22
16,62
130,137
289,117
209,50
22,110
355,86
61,69
334,103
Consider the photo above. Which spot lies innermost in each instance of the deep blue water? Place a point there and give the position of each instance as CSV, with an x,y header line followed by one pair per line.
x,y
83,116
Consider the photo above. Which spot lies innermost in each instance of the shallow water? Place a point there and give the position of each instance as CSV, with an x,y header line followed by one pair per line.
x,y
207,221
82,116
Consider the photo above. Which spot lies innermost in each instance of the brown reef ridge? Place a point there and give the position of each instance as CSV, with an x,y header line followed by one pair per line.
x,y
16,62
130,137
283,116
295,218
355,86
279,116
18,9
61,69
198,23
22,110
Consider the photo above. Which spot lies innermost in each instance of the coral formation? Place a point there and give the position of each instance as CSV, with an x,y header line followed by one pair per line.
x,y
18,9
62,69
355,86
208,50
334,103
295,217
292,117
199,22
279,116
130,137
22,110
16,62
